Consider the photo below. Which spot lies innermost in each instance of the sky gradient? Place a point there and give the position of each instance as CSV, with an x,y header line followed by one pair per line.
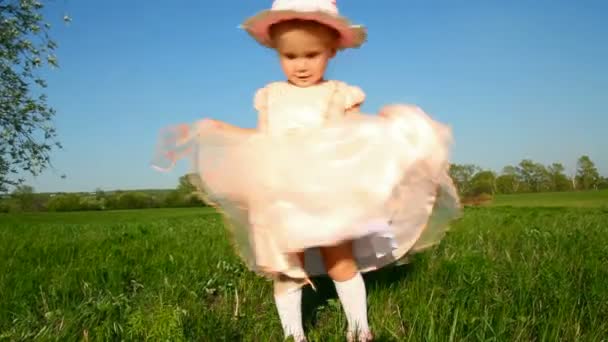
x,y
514,79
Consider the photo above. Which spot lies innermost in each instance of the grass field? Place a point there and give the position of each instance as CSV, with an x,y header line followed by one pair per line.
x,y
587,199
513,273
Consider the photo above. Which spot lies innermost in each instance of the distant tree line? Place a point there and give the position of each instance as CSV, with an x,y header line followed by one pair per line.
x,y
526,177
473,183
24,198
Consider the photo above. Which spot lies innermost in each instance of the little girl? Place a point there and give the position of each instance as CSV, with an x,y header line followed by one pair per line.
x,y
319,188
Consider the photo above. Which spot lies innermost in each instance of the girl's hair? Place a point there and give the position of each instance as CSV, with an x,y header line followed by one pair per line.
x,y
279,27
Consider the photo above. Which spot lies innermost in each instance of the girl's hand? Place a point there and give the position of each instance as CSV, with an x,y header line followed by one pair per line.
x,y
387,112
212,123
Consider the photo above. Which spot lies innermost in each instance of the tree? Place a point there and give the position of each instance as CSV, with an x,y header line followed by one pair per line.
x,y
173,199
27,135
483,182
508,182
462,175
100,194
64,202
136,200
185,186
187,194
587,176
24,197
533,176
509,170
603,183
559,180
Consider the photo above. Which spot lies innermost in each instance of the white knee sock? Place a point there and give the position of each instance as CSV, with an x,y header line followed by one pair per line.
x,y
352,294
289,307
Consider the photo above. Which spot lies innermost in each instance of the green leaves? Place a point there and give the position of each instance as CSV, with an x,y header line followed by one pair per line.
x,y
525,177
587,176
27,135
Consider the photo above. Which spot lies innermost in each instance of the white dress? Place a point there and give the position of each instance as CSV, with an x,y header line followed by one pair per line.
x,y
318,177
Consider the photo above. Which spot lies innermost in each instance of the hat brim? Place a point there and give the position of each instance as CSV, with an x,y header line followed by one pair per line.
x,y
351,36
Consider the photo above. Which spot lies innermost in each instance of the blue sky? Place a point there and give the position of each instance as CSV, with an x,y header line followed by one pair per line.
x,y
514,79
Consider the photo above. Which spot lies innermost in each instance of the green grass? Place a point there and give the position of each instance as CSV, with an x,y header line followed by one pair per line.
x,y
502,274
586,199
102,217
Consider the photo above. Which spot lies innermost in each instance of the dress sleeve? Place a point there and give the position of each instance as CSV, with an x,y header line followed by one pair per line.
x,y
260,103
354,97
260,100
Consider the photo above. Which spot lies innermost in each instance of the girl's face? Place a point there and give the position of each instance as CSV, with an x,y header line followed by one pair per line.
x,y
304,53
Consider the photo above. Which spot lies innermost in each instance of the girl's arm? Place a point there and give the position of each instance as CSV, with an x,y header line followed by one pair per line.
x,y
236,129
262,121
353,110
231,128
260,103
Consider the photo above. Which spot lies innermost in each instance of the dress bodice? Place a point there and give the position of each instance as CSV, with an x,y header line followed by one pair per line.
x,y
289,107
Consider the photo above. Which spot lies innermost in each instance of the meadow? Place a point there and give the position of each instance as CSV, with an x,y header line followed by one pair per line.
x,y
581,199
527,268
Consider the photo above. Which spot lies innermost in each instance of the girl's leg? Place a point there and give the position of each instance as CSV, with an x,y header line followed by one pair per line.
x,y
288,299
342,268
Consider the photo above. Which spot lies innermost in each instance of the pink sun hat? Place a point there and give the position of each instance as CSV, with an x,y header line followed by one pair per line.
x,y
322,11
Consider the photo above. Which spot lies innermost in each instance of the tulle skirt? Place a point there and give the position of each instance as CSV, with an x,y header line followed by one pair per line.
x,y
379,181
